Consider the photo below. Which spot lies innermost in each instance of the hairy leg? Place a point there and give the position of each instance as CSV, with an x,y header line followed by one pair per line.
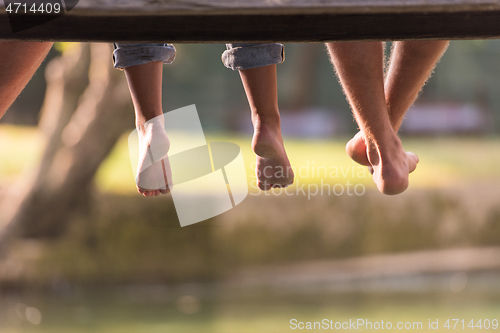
x,y
273,167
19,61
360,69
410,66
153,170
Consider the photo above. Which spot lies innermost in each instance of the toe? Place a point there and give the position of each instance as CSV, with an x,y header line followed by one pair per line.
x,y
144,192
265,186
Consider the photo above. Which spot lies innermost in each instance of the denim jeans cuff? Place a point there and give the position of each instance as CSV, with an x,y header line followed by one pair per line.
x,y
142,54
252,56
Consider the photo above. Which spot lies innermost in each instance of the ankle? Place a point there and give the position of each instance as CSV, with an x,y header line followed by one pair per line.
x,y
383,149
147,115
372,152
269,118
143,125
264,132
266,126
266,136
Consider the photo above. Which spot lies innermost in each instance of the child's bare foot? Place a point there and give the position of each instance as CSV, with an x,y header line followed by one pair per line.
x,y
391,165
273,167
153,170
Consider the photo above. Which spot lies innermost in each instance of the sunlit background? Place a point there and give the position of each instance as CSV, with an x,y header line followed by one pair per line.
x,y
92,255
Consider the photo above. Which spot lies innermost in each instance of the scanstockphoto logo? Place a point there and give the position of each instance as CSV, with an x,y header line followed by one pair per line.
x,y
170,153
25,14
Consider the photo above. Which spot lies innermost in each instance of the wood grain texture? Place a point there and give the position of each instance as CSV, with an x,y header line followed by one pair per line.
x,y
206,21
282,7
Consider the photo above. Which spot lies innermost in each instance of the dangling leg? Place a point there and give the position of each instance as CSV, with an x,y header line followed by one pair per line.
x,y
359,66
273,167
19,61
410,66
153,170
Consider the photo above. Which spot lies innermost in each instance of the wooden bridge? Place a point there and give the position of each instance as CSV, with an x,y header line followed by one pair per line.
x,y
200,21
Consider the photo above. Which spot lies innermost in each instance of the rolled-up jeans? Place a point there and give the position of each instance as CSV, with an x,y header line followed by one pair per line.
x,y
237,56
246,56
133,54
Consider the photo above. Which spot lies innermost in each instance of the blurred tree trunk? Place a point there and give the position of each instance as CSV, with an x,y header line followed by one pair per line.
x,y
82,117
305,67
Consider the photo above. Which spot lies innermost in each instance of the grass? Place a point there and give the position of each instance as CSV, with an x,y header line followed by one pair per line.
x,y
445,161
20,148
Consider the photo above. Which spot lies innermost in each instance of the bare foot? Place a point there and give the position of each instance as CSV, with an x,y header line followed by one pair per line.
x,y
356,150
391,165
153,170
273,167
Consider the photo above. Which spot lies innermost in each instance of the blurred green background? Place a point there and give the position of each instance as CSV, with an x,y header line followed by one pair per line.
x,y
125,265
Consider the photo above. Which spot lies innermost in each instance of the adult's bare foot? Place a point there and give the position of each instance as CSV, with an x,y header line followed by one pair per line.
x,y
391,165
356,150
273,168
153,170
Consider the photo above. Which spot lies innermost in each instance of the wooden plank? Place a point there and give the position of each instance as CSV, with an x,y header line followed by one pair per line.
x,y
264,21
282,7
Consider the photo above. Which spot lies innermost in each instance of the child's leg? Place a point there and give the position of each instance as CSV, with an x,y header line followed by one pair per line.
x,y
359,66
19,61
273,167
257,66
145,88
144,82
144,77
410,66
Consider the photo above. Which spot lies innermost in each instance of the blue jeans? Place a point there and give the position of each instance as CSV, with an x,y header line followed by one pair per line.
x,y
237,56
133,54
